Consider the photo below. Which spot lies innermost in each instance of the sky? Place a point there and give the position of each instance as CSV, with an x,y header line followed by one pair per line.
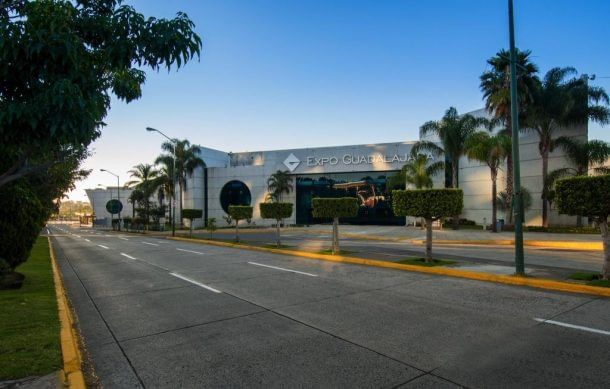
x,y
290,74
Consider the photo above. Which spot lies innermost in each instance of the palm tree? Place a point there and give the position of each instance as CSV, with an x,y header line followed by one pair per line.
x,y
145,181
187,160
278,184
166,180
452,131
584,156
495,85
417,173
558,103
491,150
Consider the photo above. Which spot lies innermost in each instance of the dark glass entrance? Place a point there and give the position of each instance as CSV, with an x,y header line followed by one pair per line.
x,y
370,188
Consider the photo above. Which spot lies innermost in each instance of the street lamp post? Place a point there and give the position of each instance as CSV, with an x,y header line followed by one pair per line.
x,y
514,113
173,142
118,193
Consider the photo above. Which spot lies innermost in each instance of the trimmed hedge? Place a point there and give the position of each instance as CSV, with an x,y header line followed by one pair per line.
x,y
240,212
428,203
335,207
584,195
275,211
192,214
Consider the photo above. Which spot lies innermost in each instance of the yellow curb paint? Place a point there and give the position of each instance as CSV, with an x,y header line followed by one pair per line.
x,y
565,245
539,283
72,374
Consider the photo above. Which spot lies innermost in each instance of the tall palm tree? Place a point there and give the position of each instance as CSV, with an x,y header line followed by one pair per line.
x,y
492,150
187,160
278,184
452,131
166,180
495,85
584,156
417,172
559,102
145,180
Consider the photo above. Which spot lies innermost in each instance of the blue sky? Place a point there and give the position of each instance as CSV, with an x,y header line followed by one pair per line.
x,y
286,74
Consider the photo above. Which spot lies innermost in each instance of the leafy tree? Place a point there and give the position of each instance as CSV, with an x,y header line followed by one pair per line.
x,y
135,198
452,131
278,212
417,172
504,201
237,213
584,156
165,180
431,204
145,180
278,184
495,85
191,214
560,102
588,196
187,160
59,62
334,208
492,151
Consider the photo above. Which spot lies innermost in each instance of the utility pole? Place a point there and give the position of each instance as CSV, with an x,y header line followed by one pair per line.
x,y
514,113
118,193
173,142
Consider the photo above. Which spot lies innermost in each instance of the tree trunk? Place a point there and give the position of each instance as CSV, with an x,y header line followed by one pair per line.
x,y
603,226
545,171
335,235
278,234
191,228
428,239
509,187
180,224
579,221
236,230
494,206
455,183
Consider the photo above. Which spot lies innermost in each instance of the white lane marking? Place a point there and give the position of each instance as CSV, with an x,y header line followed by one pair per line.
x,y
190,251
281,268
127,255
108,236
48,232
102,246
151,244
195,282
78,236
87,240
574,326
120,237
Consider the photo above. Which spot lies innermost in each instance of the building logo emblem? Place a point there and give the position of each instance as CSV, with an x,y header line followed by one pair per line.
x,y
292,162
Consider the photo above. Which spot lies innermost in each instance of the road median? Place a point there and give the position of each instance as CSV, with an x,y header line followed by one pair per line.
x,y
443,271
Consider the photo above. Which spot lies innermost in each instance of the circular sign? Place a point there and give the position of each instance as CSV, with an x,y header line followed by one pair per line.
x,y
114,206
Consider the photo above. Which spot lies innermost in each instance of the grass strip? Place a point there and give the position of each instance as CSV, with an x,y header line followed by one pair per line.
x,y
29,324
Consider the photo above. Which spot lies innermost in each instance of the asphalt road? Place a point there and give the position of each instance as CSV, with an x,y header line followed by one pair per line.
x,y
158,313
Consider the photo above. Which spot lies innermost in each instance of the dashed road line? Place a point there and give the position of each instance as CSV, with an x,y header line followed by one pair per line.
x,y
102,246
151,244
120,237
127,256
195,282
190,251
573,326
87,240
283,269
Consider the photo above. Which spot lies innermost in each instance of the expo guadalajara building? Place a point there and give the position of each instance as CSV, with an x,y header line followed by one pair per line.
x,y
358,171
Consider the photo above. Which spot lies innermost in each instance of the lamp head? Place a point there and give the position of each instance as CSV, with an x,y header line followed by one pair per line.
x,y
150,129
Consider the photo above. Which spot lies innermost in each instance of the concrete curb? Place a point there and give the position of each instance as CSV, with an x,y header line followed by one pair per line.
x,y
443,271
72,374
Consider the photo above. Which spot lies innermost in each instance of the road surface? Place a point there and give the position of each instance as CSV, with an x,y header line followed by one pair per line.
x,y
165,314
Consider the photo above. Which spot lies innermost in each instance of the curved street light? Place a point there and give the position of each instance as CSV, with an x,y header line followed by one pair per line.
x,y
173,142
118,193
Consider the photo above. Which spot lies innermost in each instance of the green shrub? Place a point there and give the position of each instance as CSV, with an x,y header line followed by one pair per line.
x,y
210,226
237,213
588,196
428,203
191,214
276,211
22,216
431,204
335,207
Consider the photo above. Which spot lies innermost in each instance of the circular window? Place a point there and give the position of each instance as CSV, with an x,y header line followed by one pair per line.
x,y
234,193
